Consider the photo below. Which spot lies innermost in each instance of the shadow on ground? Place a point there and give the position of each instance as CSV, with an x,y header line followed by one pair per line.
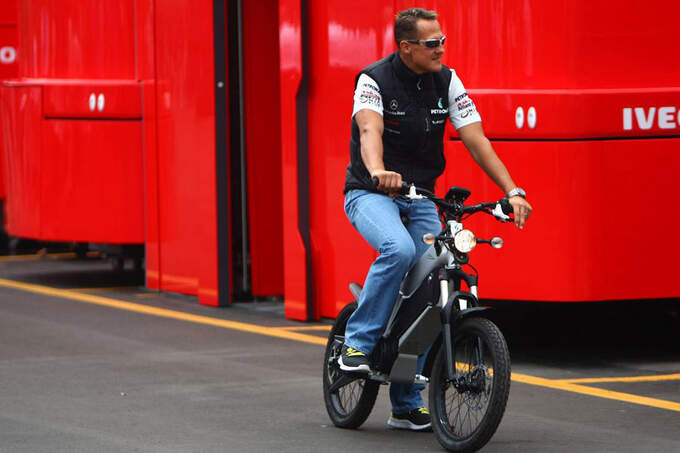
x,y
590,332
73,273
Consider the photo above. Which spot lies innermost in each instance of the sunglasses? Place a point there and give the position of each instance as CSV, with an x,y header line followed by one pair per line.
x,y
429,43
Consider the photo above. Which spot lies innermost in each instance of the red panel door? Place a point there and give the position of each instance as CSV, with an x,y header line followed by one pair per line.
x,y
91,181
185,126
21,141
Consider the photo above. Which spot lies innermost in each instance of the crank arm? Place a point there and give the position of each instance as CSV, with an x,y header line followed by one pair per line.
x,y
345,379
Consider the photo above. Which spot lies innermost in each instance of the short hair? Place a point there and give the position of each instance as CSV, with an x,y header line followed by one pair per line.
x,y
405,26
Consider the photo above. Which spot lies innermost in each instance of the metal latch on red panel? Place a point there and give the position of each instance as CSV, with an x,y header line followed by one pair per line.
x,y
531,117
96,101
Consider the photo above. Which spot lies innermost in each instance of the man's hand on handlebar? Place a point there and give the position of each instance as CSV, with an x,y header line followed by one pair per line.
x,y
387,181
521,210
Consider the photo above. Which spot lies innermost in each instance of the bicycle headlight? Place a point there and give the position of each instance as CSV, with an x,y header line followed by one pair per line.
x,y
464,241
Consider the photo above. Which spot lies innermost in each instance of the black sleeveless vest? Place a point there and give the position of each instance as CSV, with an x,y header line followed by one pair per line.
x,y
415,110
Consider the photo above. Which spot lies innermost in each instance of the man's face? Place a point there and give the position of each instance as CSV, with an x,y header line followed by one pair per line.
x,y
425,59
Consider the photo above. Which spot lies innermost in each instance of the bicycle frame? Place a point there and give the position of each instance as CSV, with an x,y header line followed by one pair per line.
x,y
430,301
428,336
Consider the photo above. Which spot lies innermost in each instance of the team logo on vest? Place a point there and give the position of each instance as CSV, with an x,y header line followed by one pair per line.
x,y
394,105
441,110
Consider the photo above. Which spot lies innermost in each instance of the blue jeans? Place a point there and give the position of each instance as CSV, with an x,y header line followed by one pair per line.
x,y
377,218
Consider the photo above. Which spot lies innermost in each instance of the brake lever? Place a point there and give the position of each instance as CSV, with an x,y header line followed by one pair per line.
x,y
412,194
498,213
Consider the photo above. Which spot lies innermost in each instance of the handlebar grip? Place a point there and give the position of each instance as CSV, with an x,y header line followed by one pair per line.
x,y
506,206
404,186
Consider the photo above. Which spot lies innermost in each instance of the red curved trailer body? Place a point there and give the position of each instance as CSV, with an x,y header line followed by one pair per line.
x,y
598,162
595,89
74,145
102,88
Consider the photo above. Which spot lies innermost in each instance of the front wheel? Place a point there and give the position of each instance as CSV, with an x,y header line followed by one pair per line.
x,y
467,409
349,397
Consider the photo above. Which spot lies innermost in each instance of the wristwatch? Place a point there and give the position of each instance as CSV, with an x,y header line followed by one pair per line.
x,y
517,191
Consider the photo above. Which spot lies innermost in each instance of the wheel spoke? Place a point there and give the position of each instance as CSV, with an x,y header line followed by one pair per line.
x,y
349,395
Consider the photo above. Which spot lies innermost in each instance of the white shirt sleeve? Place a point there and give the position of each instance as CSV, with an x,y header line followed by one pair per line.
x,y
462,110
367,96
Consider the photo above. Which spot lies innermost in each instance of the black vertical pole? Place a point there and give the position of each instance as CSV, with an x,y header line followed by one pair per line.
x,y
221,154
240,267
303,161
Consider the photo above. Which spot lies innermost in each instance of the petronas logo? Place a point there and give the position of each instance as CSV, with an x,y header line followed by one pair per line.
x,y
440,104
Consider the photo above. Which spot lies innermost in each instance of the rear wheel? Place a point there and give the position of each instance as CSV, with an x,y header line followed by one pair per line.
x,y
349,397
467,410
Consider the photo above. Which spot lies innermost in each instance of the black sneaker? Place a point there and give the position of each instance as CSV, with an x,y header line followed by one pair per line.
x,y
416,420
353,360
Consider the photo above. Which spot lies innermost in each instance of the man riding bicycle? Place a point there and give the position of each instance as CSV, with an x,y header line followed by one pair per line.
x,y
401,104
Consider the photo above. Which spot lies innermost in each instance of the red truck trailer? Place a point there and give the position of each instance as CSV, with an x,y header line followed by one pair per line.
x,y
223,137
580,100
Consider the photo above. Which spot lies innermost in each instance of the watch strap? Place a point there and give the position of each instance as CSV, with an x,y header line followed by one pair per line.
x,y
517,191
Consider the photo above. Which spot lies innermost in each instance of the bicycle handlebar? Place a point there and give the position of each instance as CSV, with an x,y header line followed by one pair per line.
x,y
506,207
457,209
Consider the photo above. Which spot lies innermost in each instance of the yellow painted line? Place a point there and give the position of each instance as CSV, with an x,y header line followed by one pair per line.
x,y
90,254
654,378
31,257
326,327
592,391
41,256
106,289
279,332
162,312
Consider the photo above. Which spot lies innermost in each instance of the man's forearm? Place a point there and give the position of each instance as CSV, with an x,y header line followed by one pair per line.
x,y
372,151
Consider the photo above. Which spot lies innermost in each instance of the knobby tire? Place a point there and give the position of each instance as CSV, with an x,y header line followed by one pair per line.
x,y
465,418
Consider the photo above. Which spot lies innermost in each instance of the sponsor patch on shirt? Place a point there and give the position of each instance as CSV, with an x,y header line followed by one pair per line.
x,y
465,111
464,104
370,97
367,95
468,112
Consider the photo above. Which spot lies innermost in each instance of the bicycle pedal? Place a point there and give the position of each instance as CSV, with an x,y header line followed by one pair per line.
x,y
420,379
380,377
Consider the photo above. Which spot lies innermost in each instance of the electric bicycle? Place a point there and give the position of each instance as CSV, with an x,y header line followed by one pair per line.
x,y
467,363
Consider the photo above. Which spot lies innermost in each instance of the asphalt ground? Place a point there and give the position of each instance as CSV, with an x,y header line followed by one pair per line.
x,y
91,362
